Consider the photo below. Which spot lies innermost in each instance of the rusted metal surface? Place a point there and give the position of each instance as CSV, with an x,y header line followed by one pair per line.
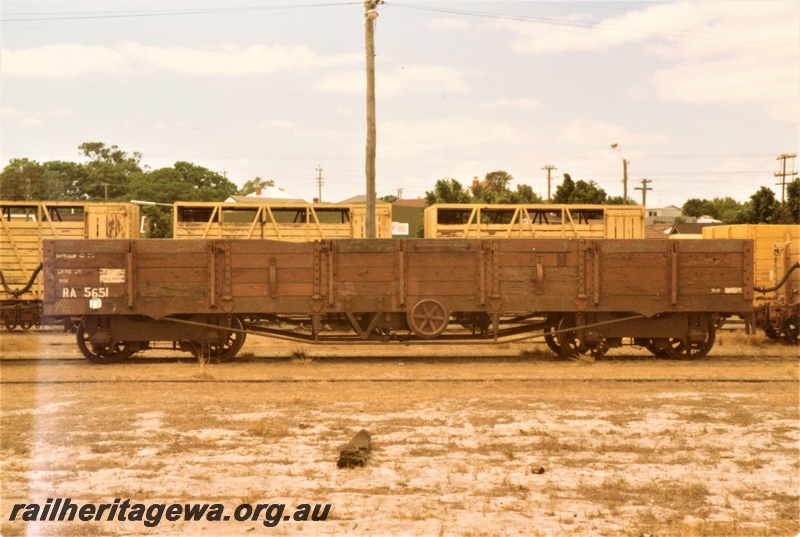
x,y
408,288
23,227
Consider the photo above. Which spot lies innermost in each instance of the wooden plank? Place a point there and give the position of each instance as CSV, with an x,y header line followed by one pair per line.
x,y
162,291
263,260
446,273
155,276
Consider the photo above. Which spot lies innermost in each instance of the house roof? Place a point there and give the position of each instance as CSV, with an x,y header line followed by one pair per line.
x,y
413,202
265,199
657,231
687,229
267,194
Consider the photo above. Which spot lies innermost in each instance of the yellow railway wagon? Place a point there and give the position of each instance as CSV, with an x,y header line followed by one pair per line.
x,y
23,227
766,237
776,251
276,221
476,221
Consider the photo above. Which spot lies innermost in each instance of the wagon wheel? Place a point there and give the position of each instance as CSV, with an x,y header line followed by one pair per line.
x,y
428,318
651,346
107,354
791,330
568,340
680,350
550,339
26,325
771,332
232,343
571,345
10,325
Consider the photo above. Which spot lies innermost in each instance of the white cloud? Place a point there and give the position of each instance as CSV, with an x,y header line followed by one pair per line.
x,y
441,23
61,61
524,103
440,135
584,133
743,52
408,79
68,60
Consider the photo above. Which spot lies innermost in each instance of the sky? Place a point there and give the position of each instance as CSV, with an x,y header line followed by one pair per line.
x,y
701,97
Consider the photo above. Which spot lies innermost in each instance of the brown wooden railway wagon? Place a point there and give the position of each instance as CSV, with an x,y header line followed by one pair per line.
x,y
277,221
583,295
23,227
475,221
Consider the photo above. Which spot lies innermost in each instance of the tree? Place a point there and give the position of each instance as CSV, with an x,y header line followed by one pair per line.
x,y
522,194
580,192
388,199
698,207
183,182
108,171
725,209
498,181
447,191
763,208
792,209
250,186
564,190
22,179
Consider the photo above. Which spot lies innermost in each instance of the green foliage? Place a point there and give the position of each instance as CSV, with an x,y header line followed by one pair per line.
x,y
580,192
792,209
108,172
763,208
22,179
493,190
250,186
113,172
725,209
447,191
498,181
388,199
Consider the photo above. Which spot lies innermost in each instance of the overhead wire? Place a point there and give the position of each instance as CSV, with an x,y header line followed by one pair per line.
x,y
697,34
66,15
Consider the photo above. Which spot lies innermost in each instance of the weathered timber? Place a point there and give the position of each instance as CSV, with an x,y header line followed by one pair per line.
x,y
357,451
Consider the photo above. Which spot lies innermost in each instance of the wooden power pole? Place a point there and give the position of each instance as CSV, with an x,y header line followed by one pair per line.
x,y
319,183
644,188
369,23
782,184
549,167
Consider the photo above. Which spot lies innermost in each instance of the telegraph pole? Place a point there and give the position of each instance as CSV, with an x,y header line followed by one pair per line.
x,y
625,163
319,182
625,181
549,167
369,23
644,188
783,176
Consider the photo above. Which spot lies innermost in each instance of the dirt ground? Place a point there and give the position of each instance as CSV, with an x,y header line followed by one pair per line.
x,y
630,445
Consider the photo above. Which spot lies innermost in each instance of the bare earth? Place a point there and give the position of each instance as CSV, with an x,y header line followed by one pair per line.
x,y
631,445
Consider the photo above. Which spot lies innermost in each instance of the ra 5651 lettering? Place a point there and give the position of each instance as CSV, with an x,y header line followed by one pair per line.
x,y
88,292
